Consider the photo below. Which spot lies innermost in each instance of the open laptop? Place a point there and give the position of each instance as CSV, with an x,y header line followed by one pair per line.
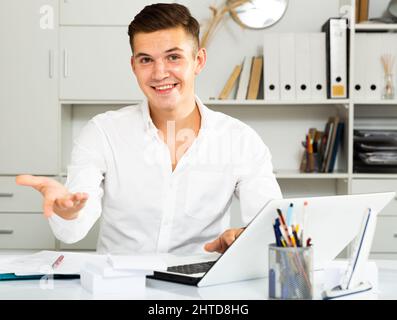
x,y
332,222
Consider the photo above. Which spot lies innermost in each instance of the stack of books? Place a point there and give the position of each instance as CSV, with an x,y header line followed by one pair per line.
x,y
321,147
247,78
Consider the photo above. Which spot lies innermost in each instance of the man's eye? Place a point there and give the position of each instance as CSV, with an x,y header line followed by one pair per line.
x,y
145,60
173,57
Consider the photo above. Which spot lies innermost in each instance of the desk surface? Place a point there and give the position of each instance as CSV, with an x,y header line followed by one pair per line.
x,y
161,290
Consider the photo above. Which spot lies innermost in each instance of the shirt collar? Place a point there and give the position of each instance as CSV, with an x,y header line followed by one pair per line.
x,y
206,115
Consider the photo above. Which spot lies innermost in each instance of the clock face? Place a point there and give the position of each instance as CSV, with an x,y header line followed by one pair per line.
x,y
259,14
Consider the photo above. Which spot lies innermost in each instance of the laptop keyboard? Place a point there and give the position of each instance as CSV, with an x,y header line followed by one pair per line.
x,y
192,268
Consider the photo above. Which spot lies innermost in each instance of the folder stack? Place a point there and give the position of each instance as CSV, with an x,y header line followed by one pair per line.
x,y
294,66
375,151
368,70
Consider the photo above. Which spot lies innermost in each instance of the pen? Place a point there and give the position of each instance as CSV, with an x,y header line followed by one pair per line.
x,y
303,225
284,229
295,235
57,262
289,214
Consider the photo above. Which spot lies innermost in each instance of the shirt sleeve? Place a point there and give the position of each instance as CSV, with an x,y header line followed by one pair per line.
x,y
256,184
85,174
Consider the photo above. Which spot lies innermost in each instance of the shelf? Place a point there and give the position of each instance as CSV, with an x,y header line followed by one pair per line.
x,y
275,102
222,102
293,174
374,176
375,26
376,102
97,102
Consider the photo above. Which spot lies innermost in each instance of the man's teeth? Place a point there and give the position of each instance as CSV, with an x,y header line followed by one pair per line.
x,y
165,87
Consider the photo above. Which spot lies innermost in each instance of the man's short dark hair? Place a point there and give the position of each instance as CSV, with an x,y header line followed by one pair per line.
x,y
161,16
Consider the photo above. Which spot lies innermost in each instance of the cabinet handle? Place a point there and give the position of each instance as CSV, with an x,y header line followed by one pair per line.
x,y
6,195
65,63
6,231
51,64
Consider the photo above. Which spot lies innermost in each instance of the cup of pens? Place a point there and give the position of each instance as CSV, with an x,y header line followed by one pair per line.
x,y
290,261
290,272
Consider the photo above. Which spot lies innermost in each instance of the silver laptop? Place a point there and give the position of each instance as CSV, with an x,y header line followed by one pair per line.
x,y
332,223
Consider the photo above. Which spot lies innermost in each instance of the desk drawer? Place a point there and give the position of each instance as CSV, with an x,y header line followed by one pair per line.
x,y
15,198
378,185
25,231
385,239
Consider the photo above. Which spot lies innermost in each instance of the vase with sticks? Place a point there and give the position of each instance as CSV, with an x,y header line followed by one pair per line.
x,y
388,64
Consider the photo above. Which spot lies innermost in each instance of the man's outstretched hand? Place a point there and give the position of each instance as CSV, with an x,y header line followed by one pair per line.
x,y
223,241
56,198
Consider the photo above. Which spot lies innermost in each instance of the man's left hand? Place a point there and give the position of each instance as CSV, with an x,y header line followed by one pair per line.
x,y
224,241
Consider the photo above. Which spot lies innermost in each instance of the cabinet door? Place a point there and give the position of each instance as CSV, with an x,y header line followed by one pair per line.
x,y
25,231
96,64
28,82
100,12
385,239
377,185
14,198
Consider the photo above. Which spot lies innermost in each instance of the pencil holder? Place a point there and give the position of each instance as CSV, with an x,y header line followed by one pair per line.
x,y
290,272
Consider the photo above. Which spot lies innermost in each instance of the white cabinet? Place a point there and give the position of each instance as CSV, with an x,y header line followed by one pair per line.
x,y
95,64
100,12
14,198
378,185
29,88
25,231
385,239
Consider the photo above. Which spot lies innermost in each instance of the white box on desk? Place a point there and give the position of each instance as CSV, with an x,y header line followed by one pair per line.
x,y
100,277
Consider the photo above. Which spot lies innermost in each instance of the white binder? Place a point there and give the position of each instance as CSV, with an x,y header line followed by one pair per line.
x,y
287,66
373,66
271,67
242,89
318,78
302,66
337,84
360,70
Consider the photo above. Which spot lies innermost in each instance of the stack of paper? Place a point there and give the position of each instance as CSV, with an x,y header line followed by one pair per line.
x,y
120,274
42,263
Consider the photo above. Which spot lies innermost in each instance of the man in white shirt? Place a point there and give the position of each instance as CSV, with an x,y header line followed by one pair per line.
x,y
161,175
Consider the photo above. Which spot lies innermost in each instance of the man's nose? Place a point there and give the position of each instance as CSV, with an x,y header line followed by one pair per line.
x,y
160,71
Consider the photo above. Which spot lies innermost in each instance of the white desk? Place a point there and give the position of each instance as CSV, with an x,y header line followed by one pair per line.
x,y
161,290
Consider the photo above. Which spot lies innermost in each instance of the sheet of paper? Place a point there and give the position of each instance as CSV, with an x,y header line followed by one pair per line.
x,y
41,263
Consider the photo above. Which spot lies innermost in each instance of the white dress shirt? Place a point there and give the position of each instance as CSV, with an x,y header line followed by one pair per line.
x,y
144,206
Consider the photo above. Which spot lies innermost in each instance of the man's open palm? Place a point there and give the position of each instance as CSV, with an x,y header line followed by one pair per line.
x,y
57,199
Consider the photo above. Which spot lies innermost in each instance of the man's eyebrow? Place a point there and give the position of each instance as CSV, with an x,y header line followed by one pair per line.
x,y
174,49
142,54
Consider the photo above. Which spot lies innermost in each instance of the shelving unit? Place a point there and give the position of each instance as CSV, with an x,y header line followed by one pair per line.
x,y
85,92
375,27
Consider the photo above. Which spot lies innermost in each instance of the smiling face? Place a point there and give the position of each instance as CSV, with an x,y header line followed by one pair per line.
x,y
165,63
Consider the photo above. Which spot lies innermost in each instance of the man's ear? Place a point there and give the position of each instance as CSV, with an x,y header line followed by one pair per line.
x,y
133,64
201,59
